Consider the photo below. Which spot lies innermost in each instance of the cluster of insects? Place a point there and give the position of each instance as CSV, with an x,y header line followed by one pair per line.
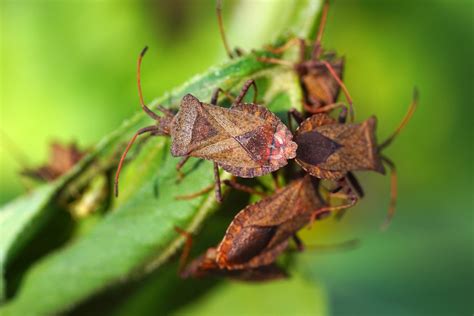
x,y
247,140
317,160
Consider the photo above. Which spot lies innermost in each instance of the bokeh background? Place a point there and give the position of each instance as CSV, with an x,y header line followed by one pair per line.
x,y
68,73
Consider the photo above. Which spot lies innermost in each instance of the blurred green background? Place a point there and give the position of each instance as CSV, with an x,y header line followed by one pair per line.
x,y
68,73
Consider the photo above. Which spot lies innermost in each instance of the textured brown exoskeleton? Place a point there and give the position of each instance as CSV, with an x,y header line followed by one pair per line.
x,y
206,266
261,231
246,140
62,158
329,149
320,74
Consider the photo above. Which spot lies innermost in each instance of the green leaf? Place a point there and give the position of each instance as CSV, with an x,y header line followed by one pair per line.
x,y
138,235
18,221
294,296
22,218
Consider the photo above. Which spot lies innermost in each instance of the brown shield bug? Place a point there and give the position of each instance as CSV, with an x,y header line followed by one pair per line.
x,y
260,233
205,266
320,74
329,149
246,140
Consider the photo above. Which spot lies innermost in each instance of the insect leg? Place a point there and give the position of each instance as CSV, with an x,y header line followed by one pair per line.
x,y
296,115
186,250
244,91
195,194
276,61
411,110
275,180
349,196
148,129
393,192
290,43
179,166
215,96
329,107
345,185
298,242
241,187
355,184
217,180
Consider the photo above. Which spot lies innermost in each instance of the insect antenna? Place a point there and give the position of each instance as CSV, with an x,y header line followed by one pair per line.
x,y
147,110
322,24
404,122
221,28
149,129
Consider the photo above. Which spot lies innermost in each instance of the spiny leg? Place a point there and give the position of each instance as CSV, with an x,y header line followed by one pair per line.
x,y
183,259
148,129
244,91
393,192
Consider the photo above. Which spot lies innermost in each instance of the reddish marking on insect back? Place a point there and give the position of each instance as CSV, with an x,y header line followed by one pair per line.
x,y
282,147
